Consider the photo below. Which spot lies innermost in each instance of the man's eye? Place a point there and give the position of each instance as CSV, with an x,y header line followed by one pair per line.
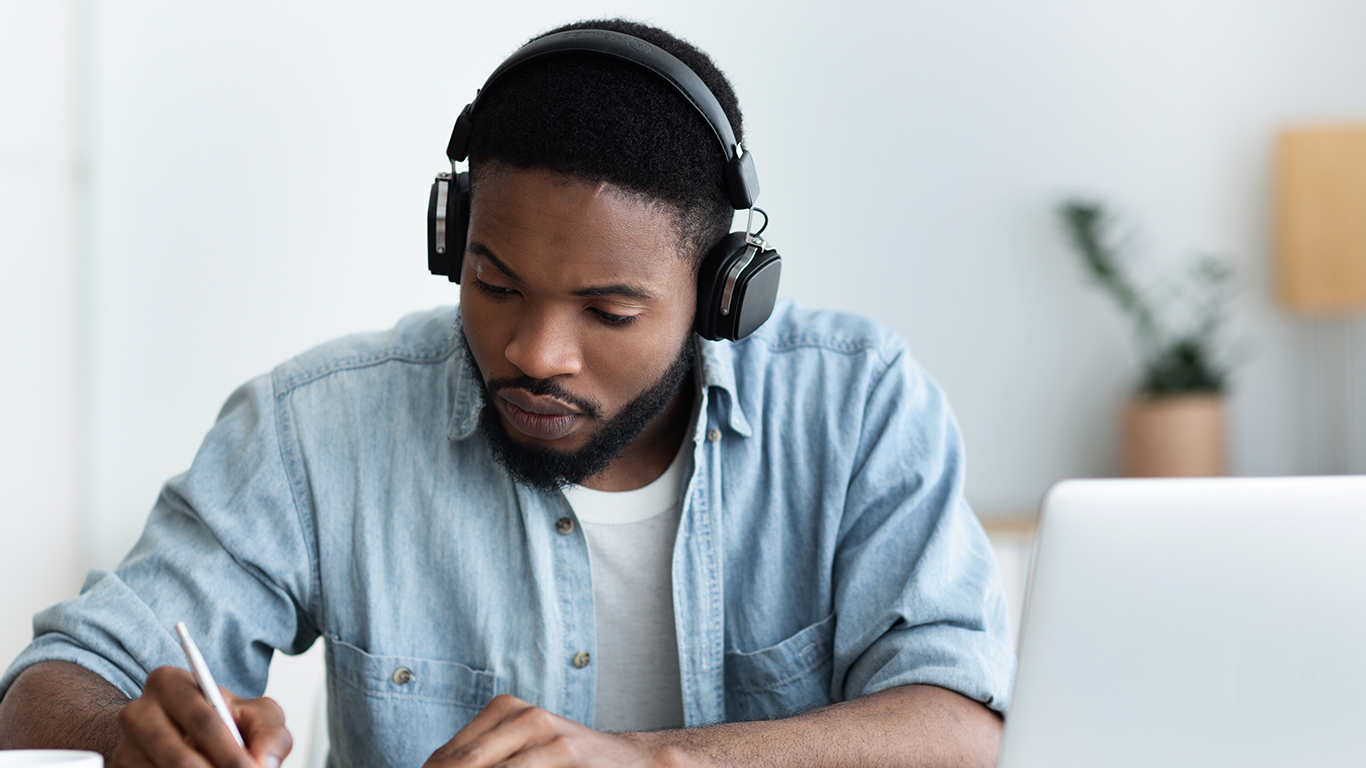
x,y
611,319
491,290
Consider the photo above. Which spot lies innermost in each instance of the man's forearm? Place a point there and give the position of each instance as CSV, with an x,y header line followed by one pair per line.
x,y
916,725
56,704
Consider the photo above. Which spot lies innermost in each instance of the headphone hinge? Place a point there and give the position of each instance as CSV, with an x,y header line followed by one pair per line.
x,y
751,248
443,187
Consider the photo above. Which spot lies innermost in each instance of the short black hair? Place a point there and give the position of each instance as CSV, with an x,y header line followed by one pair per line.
x,y
600,119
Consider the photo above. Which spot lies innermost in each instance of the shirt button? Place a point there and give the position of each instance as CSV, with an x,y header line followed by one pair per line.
x,y
713,435
401,676
564,525
581,659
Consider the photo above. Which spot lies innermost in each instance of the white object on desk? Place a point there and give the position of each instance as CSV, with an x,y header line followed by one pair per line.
x,y
200,669
1194,623
52,758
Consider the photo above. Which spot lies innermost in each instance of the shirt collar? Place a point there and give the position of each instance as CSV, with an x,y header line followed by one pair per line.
x,y
468,397
716,370
716,364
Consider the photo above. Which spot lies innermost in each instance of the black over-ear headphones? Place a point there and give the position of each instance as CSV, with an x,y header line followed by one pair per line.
x,y
737,282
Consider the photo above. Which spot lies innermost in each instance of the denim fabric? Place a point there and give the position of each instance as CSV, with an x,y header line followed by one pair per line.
x,y
824,552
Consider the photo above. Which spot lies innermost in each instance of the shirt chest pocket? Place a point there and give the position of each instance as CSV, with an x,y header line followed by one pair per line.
x,y
783,679
396,710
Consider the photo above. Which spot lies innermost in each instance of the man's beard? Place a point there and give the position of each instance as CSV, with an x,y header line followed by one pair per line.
x,y
550,470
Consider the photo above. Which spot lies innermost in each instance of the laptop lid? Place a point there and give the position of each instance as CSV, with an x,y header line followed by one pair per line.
x,y
1194,622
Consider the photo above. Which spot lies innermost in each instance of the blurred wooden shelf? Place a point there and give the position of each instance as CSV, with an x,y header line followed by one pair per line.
x,y
1021,526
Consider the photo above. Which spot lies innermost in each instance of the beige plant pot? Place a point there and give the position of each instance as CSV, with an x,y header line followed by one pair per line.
x,y
1176,436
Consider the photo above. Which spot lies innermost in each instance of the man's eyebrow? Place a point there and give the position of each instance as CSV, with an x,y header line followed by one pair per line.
x,y
617,289
483,250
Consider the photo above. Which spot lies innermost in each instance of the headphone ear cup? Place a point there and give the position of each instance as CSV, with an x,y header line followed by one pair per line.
x,y
711,280
448,224
457,223
737,286
437,263
756,292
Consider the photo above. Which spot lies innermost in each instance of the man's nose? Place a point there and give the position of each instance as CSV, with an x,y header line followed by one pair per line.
x,y
545,345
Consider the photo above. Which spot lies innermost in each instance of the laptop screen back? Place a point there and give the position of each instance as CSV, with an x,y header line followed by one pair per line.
x,y
1194,622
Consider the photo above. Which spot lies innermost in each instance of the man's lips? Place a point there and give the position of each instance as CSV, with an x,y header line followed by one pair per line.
x,y
541,417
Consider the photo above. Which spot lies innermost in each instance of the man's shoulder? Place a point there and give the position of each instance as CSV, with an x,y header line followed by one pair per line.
x,y
794,329
421,339
806,362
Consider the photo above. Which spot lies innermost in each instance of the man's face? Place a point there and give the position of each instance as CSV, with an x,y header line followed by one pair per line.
x,y
577,308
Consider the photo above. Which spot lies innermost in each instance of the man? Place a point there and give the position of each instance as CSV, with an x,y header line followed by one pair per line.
x,y
556,527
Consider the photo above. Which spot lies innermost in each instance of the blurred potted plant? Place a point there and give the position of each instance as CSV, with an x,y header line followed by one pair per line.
x,y
1175,425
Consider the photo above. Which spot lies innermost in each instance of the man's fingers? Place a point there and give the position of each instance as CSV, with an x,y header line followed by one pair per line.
x,y
558,751
520,729
172,724
177,719
127,755
206,731
262,723
151,738
509,733
488,718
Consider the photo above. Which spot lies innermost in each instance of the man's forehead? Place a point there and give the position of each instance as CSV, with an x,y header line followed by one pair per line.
x,y
534,213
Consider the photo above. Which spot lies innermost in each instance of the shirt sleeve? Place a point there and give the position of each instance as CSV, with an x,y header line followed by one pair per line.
x,y
917,588
225,550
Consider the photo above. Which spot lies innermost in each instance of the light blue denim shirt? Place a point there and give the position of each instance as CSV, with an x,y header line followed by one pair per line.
x,y
824,551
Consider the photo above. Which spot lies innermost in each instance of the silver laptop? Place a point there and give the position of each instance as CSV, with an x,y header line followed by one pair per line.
x,y
1201,622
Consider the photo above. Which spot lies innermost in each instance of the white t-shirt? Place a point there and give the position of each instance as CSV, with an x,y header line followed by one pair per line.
x,y
630,548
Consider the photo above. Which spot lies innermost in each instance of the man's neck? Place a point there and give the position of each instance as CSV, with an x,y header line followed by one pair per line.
x,y
649,455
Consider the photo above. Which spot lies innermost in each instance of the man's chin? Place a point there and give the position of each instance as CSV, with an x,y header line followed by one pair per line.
x,y
544,464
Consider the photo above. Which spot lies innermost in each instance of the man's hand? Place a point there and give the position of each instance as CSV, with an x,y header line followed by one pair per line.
x,y
914,725
172,724
59,705
510,731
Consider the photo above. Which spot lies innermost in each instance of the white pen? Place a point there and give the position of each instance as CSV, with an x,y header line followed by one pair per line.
x,y
205,680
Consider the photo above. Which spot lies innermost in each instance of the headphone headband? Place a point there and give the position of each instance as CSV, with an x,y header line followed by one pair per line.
x,y
742,181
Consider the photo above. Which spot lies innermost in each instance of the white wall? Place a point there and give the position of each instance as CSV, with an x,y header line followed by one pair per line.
x,y
259,172
39,556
